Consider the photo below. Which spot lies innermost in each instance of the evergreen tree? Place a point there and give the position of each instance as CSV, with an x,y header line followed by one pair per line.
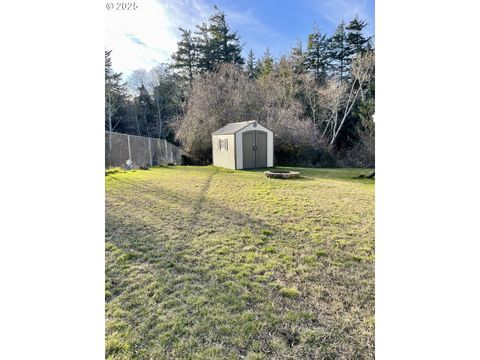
x,y
115,95
185,59
340,52
205,49
144,112
225,44
251,66
216,43
167,99
298,57
266,64
355,38
287,78
317,55
108,63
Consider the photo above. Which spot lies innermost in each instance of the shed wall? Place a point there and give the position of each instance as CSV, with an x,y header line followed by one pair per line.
x,y
221,157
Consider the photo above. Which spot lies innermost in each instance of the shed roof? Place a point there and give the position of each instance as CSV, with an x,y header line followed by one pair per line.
x,y
232,128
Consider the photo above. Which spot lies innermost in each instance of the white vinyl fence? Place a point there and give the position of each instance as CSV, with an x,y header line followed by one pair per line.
x,y
141,151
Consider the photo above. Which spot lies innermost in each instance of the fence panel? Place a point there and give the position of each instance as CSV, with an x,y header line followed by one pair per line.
x,y
116,150
155,154
140,154
162,145
142,151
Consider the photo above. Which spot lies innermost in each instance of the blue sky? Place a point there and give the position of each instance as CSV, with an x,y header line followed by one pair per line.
x,y
147,36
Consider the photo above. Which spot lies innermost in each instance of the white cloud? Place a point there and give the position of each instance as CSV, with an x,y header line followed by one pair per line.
x,y
249,20
337,10
140,38
148,36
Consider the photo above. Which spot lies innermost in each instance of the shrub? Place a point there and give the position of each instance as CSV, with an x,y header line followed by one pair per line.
x,y
216,99
114,170
190,160
310,156
358,156
228,95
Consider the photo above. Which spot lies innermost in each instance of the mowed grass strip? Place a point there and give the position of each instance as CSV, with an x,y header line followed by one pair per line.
x,y
207,263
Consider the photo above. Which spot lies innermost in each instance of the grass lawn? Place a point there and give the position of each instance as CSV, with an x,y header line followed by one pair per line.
x,y
207,263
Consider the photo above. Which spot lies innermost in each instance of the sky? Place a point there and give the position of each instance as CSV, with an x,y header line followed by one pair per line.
x,y
146,37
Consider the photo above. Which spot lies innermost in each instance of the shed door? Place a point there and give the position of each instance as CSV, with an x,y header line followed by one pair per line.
x,y
248,149
254,149
261,149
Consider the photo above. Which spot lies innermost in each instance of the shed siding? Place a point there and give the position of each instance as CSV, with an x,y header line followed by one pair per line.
x,y
221,157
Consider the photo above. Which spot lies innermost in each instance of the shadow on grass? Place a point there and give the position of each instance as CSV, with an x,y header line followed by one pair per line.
x,y
190,273
223,215
191,279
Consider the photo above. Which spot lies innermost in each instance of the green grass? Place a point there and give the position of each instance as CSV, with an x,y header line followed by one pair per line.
x,y
206,263
290,292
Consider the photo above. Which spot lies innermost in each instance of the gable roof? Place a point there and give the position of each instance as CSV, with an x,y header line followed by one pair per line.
x,y
232,128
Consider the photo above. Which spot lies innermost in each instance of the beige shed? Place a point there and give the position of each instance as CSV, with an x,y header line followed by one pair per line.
x,y
243,145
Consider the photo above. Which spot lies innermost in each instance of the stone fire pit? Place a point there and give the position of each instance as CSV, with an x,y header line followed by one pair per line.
x,y
278,174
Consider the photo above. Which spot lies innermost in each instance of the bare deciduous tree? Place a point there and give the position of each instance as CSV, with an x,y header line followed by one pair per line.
x,y
140,78
216,99
309,88
227,95
167,96
332,98
112,105
282,113
365,148
339,97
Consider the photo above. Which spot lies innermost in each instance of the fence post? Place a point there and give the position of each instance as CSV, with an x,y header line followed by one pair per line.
x,y
166,151
108,153
129,150
150,152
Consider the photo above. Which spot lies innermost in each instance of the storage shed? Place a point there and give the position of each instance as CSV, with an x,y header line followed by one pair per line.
x,y
243,145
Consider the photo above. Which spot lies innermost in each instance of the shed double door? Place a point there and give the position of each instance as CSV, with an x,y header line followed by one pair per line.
x,y
254,146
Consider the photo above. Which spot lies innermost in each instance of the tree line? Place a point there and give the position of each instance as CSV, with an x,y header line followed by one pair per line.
x,y
318,100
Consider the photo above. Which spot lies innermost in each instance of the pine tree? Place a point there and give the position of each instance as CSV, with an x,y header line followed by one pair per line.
x,y
340,52
115,95
113,79
298,57
226,44
251,66
167,98
185,59
145,112
355,38
266,64
216,43
317,56
205,49
108,63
